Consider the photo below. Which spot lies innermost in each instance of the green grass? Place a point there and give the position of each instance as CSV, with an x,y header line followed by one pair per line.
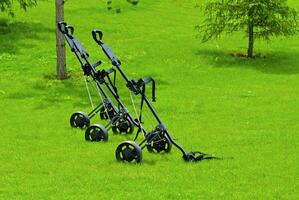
x,y
243,110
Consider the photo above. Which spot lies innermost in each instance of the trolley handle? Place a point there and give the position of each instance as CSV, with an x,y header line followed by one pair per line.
x,y
62,26
66,29
69,31
97,35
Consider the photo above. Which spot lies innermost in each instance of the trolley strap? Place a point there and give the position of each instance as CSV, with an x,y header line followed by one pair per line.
x,y
112,83
142,84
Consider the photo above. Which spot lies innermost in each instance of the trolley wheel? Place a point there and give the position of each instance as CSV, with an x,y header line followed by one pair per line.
x,y
96,133
107,113
123,125
79,120
160,143
128,151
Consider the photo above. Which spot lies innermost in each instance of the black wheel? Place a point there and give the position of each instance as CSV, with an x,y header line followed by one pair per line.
x,y
108,112
128,151
123,125
79,120
96,133
160,143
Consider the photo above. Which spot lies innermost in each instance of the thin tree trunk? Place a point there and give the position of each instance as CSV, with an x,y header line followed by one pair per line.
x,y
250,40
60,45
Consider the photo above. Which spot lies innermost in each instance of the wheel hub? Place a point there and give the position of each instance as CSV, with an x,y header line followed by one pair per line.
x,y
95,135
159,144
127,154
123,126
79,120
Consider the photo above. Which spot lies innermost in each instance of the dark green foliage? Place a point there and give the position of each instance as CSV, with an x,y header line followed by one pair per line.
x,y
118,10
258,18
133,2
6,5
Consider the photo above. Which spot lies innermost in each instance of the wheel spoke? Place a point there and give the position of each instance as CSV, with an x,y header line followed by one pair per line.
x,y
91,131
121,155
166,146
131,147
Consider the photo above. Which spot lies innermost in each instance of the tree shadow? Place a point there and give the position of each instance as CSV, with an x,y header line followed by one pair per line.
x,y
50,92
13,33
271,63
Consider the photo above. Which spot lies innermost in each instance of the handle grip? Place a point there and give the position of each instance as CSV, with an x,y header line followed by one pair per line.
x,y
65,29
97,35
69,31
62,26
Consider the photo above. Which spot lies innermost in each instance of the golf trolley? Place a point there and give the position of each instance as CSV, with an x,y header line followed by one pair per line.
x,y
157,140
120,120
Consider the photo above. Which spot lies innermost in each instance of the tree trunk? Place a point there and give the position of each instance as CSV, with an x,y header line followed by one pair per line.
x,y
60,45
250,40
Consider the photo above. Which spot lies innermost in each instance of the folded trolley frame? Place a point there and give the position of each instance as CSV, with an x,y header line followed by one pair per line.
x,y
119,118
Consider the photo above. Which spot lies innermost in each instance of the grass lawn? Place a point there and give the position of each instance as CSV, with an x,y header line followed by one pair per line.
x,y
243,110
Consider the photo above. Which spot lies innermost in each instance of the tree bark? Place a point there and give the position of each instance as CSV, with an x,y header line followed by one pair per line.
x,y
250,40
60,45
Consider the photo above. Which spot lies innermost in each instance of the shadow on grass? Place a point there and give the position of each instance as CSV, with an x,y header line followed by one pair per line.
x,y
13,32
146,161
50,92
274,63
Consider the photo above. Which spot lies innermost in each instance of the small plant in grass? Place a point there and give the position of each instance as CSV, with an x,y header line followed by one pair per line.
x,y
118,10
259,19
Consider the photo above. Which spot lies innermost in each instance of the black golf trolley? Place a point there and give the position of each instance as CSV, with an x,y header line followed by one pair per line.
x,y
120,120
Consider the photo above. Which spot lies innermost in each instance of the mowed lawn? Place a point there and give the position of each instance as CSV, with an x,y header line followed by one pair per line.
x,y
246,111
